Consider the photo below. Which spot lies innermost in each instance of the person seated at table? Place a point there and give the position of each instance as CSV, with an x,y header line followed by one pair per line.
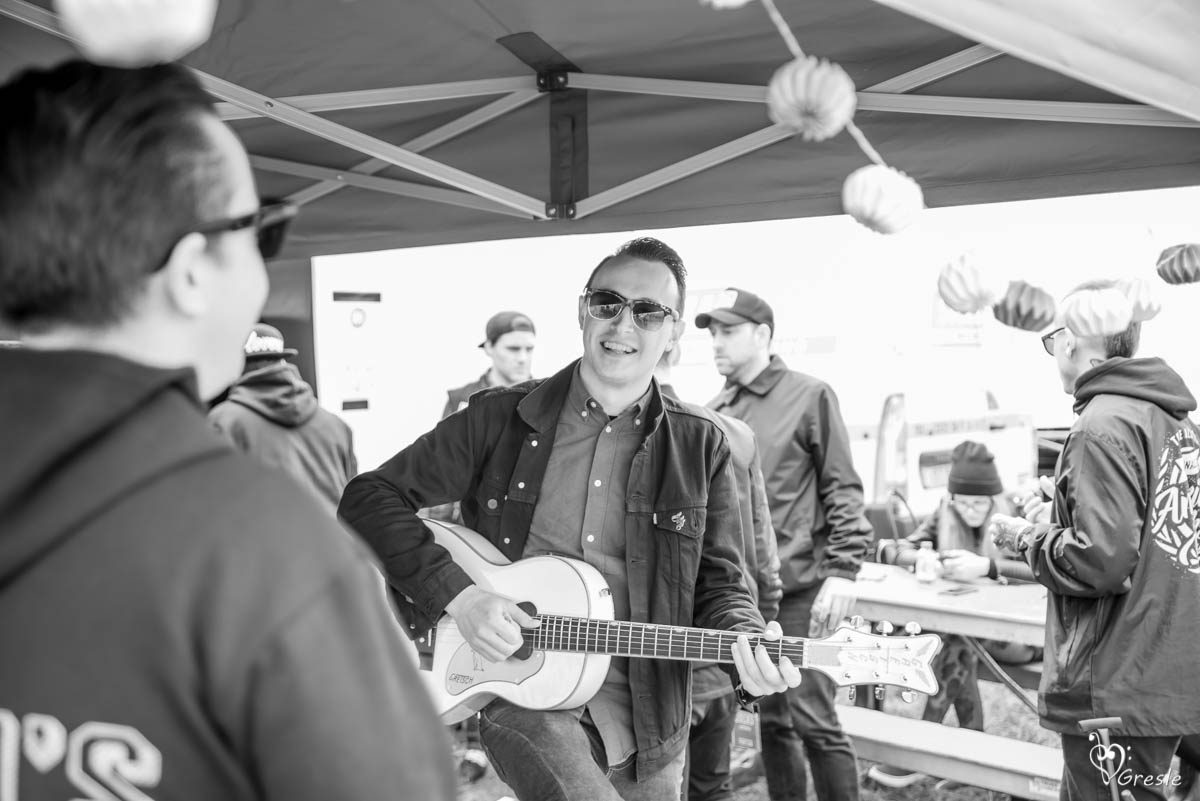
x,y
957,530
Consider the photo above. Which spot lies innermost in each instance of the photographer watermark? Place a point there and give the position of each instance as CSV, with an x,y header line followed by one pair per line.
x,y
1111,758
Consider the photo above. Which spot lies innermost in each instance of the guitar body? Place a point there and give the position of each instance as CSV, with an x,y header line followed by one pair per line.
x,y
564,661
461,682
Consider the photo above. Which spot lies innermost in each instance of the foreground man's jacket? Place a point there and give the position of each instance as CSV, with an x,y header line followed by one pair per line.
x,y
178,621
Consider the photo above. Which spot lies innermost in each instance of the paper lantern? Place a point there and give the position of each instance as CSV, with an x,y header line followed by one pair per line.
x,y
1025,306
966,287
1097,312
137,33
881,198
1180,264
1146,305
811,96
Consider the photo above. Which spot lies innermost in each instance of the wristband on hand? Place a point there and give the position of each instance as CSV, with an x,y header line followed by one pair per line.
x,y
745,698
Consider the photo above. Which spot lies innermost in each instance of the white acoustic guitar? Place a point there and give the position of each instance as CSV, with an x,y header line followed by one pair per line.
x,y
564,661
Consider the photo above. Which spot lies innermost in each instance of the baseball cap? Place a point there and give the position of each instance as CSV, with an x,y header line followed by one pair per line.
x,y
739,307
266,342
506,322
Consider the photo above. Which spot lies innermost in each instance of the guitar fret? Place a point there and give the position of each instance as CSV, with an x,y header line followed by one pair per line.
x,y
617,637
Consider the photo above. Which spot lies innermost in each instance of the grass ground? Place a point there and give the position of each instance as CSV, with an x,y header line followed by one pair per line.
x,y
1004,715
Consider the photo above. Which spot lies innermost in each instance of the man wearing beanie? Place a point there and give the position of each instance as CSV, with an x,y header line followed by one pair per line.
x,y
1120,558
957,530
816,501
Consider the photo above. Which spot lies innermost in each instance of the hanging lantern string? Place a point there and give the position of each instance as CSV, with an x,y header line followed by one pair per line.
x,y
864,145
790,40
784,29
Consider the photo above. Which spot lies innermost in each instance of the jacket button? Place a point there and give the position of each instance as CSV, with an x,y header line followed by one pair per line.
x,y
520,485
492,503
507,540
533,444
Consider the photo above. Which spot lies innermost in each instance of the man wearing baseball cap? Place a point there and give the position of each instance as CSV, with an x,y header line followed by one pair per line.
x,y
816,501
272,413
509,341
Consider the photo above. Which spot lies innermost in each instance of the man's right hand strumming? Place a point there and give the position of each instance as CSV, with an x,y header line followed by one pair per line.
x,y
490,623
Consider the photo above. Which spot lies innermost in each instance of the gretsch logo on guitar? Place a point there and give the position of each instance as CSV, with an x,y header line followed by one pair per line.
x,y
565,660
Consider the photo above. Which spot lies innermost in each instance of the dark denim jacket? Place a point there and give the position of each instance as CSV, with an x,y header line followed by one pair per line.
x,y
492,456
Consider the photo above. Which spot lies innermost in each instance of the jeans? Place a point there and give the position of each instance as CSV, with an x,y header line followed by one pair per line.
x,y
707,767
559,756
1144,757
803,722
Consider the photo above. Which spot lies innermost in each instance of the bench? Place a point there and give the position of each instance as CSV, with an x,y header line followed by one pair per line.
x,y
1021,769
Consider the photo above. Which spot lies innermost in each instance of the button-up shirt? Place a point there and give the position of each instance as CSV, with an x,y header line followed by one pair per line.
x,y
581,514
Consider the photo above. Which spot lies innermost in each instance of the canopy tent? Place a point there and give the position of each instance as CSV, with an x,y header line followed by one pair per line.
x,y
401,123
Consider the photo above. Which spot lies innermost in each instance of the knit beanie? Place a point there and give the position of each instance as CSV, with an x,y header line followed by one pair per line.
x,y
973,471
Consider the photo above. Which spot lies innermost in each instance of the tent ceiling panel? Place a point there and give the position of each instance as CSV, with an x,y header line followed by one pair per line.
x,y
285,48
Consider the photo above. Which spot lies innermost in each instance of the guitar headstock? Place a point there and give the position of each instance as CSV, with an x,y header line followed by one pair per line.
x,y
849,657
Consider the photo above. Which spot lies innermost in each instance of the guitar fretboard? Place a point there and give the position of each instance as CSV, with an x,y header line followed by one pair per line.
x,y
625,638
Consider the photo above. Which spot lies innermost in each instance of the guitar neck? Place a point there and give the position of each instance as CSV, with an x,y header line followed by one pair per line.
x,y
625,638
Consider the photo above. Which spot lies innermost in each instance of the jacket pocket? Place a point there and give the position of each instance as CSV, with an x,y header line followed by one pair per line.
x,y
489,501
1073,644
678,537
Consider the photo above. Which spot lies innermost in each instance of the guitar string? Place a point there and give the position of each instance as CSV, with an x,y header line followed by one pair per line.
x,y
571,632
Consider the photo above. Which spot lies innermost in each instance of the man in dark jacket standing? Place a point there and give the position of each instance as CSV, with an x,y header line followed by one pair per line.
x,y
596,464
709,775
1120,556
817,510
272,413
508,340
175,622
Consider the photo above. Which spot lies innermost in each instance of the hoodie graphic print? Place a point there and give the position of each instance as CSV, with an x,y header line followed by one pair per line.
x,y
1175,520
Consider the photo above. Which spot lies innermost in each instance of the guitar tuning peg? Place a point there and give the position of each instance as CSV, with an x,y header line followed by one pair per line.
x,y
852,693
857,622
907,696
878,692
913,628
884,627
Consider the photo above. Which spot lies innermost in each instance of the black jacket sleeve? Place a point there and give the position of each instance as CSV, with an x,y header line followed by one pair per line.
x,y
381,505
1100,495
840,490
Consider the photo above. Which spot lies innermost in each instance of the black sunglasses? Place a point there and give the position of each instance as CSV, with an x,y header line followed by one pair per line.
x,y
270,222
648,315
1048,339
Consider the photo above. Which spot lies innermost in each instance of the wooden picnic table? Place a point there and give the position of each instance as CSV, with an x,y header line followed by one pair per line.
x,y
1012,613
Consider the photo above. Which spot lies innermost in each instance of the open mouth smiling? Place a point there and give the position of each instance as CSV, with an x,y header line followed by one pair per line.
x,y
618,348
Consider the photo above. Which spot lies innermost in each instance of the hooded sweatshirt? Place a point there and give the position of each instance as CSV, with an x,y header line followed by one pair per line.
x,y
178,623
272,413
1121,558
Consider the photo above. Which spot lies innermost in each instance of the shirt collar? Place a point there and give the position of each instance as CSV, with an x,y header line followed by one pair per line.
x,y
541,407
765,381
584,405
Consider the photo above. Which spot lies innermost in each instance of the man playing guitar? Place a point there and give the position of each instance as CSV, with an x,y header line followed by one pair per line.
x,y
593,463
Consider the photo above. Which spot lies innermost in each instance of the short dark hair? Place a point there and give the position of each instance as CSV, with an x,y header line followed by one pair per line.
x,y
647,248
104,169
1125,343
